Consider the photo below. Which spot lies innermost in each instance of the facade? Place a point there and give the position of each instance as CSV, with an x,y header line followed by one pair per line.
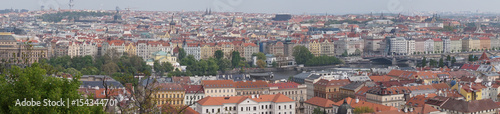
x,y
292,90
207,50
276,48
193,49
420,44
329,89
255,87
446,45
455,45
327,47
469,44
169,93
73,49
193,94
318,102
485,43
393,96
429,46
258,104
130,48
314,47
14,52
219,88
249,49
438,45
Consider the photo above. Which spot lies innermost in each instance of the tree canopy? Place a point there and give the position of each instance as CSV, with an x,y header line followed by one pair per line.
x,y
301,54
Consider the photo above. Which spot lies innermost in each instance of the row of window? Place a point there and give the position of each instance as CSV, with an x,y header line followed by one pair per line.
x,y
220,91
169,96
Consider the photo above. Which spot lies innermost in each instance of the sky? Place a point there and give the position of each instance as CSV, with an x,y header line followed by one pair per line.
x,y
268,6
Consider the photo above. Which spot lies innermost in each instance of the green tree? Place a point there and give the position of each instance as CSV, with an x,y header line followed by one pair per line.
x,y
260,56
424,62
433,63
441,62
317,110
181,55
345,54
453,60
224,64
219,54
32,82
363,109
261,64
471,57
448,58
235,59
274,64
301,54
110,68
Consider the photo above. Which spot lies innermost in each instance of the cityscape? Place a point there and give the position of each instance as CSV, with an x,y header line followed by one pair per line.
x,y
56,59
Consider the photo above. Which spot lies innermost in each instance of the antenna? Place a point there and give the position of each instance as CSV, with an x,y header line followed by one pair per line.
x,y
71,4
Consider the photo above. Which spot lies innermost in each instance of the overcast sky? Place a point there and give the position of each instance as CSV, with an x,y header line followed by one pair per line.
x,y
268,6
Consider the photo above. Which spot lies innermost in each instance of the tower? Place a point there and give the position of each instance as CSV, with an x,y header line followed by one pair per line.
x,y
71,4
172,24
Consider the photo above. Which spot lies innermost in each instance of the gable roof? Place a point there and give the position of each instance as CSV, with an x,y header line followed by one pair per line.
x,y
470,106
321,102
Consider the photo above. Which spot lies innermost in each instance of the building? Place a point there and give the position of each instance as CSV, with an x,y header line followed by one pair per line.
x,y
355,103
438,45
14,52
292,90
207,50
130,48
327,47
318,102
219,88
254,87
329,89
248,50
485,106
392,96
193,49
429,46
259,104
169,93
469,44
276,48
470,91
455,45
193,94
485,43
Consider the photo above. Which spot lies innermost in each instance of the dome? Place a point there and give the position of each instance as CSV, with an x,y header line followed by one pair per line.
x,y
344,108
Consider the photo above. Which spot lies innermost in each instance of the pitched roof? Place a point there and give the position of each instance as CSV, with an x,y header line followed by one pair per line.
x,y
284,85
470,106
380,78
251,84
419,100
218,83
321,102
417,110
470,67
276,98
360,103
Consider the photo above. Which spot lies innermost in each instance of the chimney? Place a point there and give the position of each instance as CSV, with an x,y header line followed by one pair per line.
x,y
426,94
357,100
253,96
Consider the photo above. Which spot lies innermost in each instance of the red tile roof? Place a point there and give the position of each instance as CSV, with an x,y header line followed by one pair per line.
x,y
251,84
318,101
374,106
277,98
284,85
218,83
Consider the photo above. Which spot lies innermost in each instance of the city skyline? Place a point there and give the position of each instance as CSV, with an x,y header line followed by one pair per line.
x,y
276,6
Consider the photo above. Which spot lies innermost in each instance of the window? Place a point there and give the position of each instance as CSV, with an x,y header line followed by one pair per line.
x,y
207,111
241,108
254,108
279,107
